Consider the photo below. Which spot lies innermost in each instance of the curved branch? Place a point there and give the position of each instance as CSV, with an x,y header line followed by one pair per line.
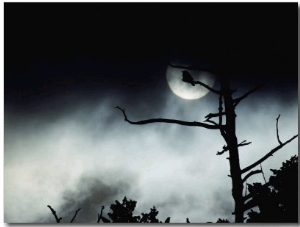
x,y
277,129
170,121
54,214
251,173
267,155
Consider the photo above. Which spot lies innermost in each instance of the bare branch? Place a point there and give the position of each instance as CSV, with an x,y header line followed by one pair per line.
x,y
210,121
268,155
191,67
54,214
251,173
207,87
100,215
277,129
75,215
237,100
225,148
171,121
211,115
262,172
244,143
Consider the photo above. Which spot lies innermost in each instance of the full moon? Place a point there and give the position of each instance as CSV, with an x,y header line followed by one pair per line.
x,y
185,90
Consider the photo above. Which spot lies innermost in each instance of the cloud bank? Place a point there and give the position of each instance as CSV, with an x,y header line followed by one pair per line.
x,y
77,152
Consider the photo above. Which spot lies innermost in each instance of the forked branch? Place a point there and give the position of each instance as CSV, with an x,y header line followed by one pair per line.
x,y
171,121
54,214
211,115
100,217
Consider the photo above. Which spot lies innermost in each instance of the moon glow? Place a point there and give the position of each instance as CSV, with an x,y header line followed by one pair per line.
x,y
185,90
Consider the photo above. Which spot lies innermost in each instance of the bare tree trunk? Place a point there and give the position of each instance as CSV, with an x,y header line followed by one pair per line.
x,y
232,144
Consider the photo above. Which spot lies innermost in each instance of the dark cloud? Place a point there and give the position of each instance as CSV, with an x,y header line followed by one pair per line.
x,y
89,194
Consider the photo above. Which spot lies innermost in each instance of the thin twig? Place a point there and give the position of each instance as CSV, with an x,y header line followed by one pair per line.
x,y
268,155
54,214
244,143
191,67
225,148
277,119
262,172
237,100
172,121
75,215
207,87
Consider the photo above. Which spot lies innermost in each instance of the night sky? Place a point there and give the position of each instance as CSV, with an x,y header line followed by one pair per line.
x,y
67,65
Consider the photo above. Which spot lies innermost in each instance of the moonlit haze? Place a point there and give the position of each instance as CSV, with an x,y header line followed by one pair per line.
x,y
65,143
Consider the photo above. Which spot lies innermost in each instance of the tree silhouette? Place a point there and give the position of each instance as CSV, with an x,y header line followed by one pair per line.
x,y
121,213
226,109
278,199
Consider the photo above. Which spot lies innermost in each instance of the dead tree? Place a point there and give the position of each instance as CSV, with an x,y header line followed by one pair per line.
x,y
226,110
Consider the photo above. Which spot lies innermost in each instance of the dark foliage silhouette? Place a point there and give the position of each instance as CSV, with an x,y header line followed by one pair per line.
x,y
278,199
122,213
